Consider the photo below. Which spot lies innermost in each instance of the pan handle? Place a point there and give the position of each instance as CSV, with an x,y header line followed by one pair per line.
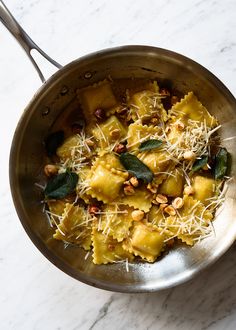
x,y
23,39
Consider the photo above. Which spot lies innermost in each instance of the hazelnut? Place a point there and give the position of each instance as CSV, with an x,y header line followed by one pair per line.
x,y
170,210
154,121
122,111
189,155
99,114
89,142
120,148
188,190
115,134
129,190
134,181
76,128
164,92
174,99
170,242
137,215
180,126
93,209
162,199
151,187
154,202
111,247
205,167
50,170
168,129
146,119
128,118
163,206
177,203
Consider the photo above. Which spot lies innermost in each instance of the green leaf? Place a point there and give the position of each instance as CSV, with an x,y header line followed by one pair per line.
x,y
150,144
199,163
221,164
61,185
135,167
53,141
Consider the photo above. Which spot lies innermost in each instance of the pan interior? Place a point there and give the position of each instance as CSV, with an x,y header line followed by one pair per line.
x,y
55,102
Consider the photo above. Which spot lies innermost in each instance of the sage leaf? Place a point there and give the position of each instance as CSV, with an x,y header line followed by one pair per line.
x,y
221,164
150,144
135,167
53,141
199,163
61,185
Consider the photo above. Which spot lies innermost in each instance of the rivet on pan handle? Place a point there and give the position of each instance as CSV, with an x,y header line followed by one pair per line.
x,y
23,39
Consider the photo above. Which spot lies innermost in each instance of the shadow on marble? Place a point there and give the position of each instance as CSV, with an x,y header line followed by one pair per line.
x,y
197,304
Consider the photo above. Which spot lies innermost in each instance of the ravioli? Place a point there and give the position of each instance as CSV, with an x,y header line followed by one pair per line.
x,y
75,227
190,108
146,241
107,250
106,179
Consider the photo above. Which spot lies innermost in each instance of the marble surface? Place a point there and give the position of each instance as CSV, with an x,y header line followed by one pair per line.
x,y
33,293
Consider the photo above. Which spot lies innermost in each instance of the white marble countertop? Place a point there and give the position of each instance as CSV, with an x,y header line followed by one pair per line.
x,y
33,293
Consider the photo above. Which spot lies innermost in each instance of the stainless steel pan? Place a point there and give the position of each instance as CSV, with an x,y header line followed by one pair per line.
x,y
27,159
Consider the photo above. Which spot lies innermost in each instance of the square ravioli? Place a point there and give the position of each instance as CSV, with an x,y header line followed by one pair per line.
x,y
147,104
97,96
109,132
107,250
191,222
75,227
106,178
157,161
116,220
191,108
141,199
105,183
146,241
138,133
173,185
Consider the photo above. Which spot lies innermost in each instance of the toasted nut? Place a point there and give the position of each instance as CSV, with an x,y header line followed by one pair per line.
x,y
122,111
134,181
50,170
170,210
205,167
111,247
189,155
115,134
163,206
76,128
170,242
90,143
151,187
164,92
128,117
188,190
180,126
154,121
93,209
129,190
99,114
154,202
168,129
137,215
162,199
174,99
120,148
178,202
